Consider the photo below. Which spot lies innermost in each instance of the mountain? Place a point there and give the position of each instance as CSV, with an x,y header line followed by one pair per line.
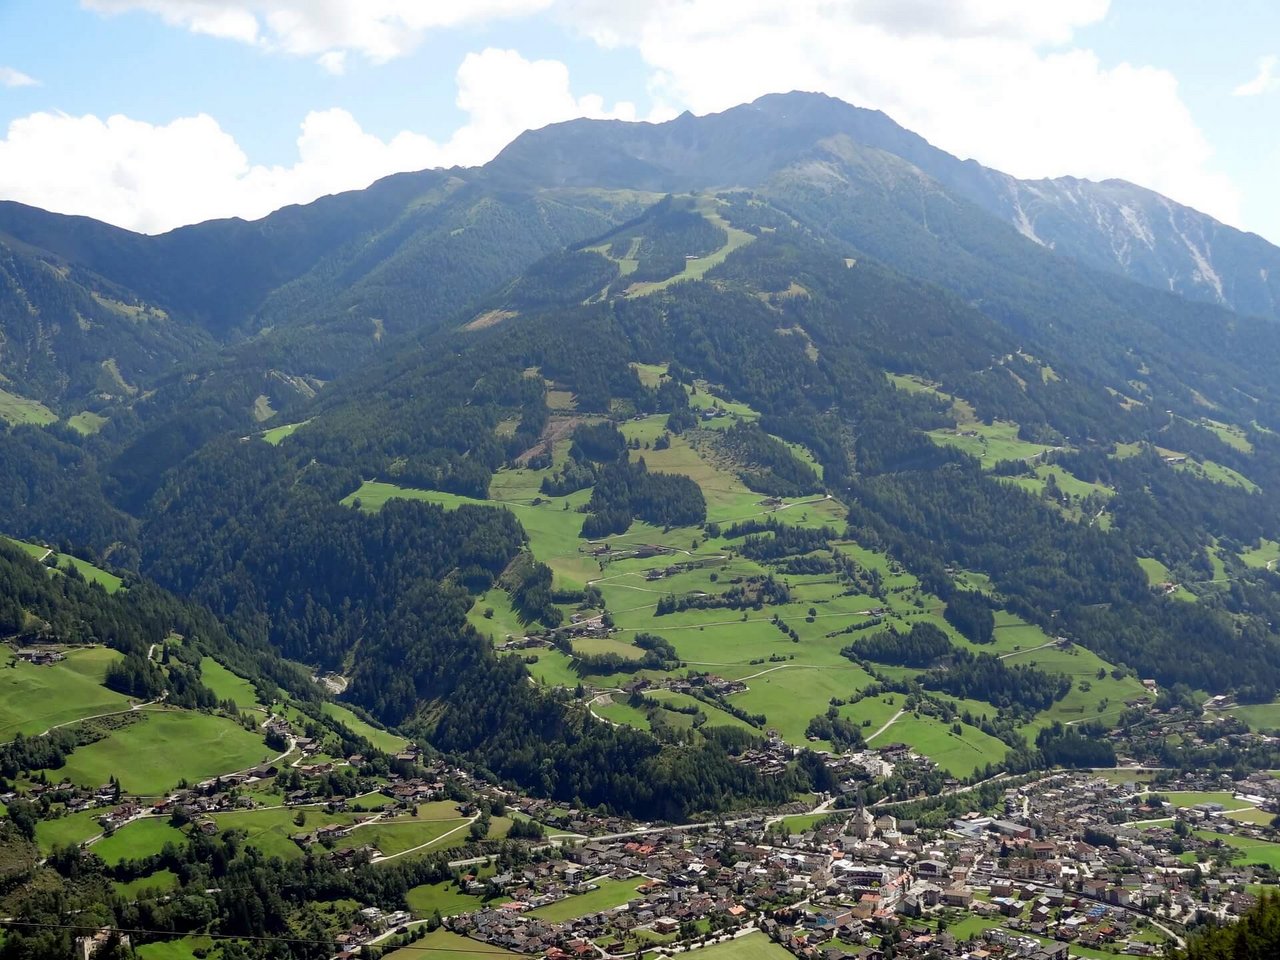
x,y
1114,226
644,450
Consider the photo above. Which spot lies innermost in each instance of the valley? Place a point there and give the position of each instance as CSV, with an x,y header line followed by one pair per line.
x,y
607,539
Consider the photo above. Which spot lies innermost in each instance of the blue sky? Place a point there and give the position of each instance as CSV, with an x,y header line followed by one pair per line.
x,y
154,113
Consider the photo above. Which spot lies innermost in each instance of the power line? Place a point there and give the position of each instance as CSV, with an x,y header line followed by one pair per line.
x,y
98,928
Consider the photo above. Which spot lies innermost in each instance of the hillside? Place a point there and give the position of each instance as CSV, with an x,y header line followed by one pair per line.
x,y
747,429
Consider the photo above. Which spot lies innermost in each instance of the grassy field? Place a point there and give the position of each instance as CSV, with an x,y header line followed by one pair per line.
x,y
227,685
160,882
1157,574
74,828
142,838
30,549
447,946
431,822
16,409
445,897
1266,554
86,422
1259,716
754,946
151,756
1217,473
607,895
110,582
383,740
958,754
990,443
33,699
1248,849
276,434
790,680
270,830
182,948
64,561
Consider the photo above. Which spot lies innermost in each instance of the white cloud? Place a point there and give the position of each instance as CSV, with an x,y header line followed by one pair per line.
x,y
152,177
9,77
996,80
334,61
1265,81
381,30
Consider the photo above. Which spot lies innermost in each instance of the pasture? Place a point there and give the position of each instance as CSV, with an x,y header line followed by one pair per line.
x,y
754,946
958,754
158,884
989,443
109,581
276,434
150,757
271,830
35,698
444,897
607,895
141,838
72,829
697,268
447,946
430,823
1259,716
86,422
19,410
382,739
1246,849
179,948
227,685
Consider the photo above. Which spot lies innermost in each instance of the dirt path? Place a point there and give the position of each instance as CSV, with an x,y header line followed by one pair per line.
x,y
1018,653
429,843
888,723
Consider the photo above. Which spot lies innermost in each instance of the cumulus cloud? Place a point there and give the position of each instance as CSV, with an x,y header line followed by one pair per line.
x,y
996,80
9,77
152,177
380,30
1264,81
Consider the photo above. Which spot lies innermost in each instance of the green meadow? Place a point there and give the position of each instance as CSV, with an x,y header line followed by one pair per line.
x,y
18,410
447,946
35,698
86,422
151,756
227,685
607,895
382,739
158,883
1259,716
789,680
989,443
271,830
444,897
141,838
192,947
277,434
754,946
69,830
